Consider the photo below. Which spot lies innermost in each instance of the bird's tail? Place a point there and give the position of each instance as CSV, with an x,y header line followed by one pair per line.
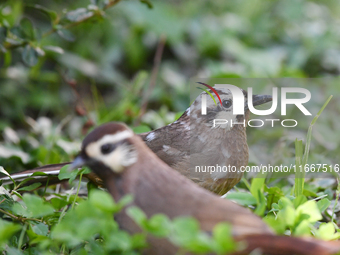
x,y
50,176
283,245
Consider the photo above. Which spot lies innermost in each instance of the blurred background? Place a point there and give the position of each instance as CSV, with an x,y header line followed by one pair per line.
x,y
68,65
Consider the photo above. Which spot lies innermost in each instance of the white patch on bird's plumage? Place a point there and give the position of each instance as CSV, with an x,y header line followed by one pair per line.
x,y
151,136
114,138
202,138
170,151
218,175
225,115
121,157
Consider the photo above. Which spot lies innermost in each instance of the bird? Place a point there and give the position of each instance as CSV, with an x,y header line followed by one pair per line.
x,y
191,140
127,166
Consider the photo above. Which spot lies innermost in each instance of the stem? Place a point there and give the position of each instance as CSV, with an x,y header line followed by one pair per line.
x,y
110,4
22,234
18,218
153,79
3,200
336,199
78,188
10,215
53,30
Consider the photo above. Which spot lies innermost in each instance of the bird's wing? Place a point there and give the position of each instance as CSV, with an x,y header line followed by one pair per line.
x,y
170,143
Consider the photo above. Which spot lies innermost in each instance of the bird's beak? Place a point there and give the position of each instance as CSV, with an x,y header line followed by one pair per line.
x,y
260,99
78,162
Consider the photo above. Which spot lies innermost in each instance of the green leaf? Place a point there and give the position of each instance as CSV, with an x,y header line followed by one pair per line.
x,y
311,209
7,229
78,15
40,228
17,31
120,240
30,55
39,174
137,215
124,201
55,49
64,173
147,3
30,187
303,229
185,230
58,203
287,215
103,201
222,234
138,241
13,251
3,34
327,232
261,204
27,28
8,202
284,202
309,193
3,171
52,14
158,225
274,195
277,224
256,187
34,207
66,34
242,198
299,201
323,204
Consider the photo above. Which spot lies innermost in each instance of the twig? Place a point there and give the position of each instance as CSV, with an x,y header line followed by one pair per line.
x,y
111,3
337,192
75,197
154,73
80,109
9,214
53,30
3,200
21,238
21,219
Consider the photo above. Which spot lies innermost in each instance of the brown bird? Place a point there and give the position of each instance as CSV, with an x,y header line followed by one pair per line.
x,y
127,166
191,141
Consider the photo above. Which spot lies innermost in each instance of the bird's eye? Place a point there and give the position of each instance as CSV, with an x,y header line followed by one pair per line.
x,y
226,103
107,148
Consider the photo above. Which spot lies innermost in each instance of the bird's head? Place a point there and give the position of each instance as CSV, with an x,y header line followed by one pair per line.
x,y
225,111
108,148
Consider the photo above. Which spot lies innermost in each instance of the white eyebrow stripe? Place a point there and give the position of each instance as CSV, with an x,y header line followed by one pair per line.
x,y
116,137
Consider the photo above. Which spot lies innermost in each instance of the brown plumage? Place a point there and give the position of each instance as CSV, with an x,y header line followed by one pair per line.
x,y
128,166
157,188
